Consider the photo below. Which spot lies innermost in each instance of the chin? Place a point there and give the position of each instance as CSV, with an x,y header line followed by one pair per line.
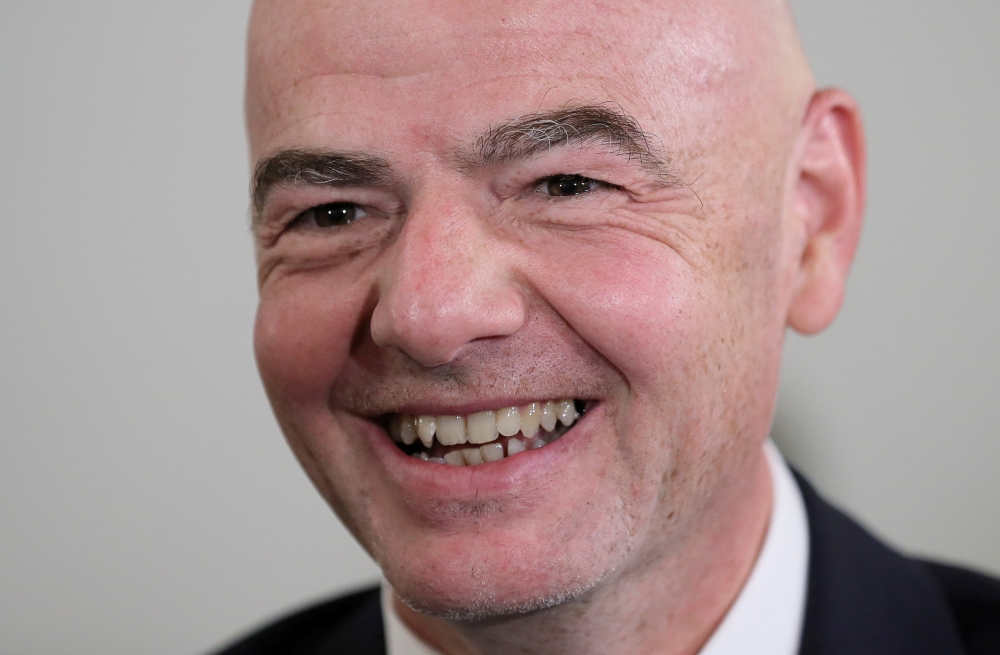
x,y
478,602
496,585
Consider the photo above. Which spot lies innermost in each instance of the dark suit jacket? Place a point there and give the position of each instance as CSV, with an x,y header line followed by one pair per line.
x,y
863,599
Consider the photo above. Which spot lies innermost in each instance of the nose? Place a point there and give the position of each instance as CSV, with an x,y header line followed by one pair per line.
x,y
448,282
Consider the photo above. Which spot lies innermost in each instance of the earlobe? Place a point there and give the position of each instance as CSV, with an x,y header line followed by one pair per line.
x,y
826,203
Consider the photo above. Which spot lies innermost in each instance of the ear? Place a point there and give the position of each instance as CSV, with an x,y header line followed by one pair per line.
x,y
826,200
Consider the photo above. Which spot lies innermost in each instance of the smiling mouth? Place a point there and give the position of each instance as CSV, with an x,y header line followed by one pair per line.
x,y
484,437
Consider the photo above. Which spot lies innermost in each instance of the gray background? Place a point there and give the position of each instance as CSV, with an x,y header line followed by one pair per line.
x,y
147,501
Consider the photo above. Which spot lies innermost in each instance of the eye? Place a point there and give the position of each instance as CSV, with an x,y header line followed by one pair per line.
x,y
334,214
567,185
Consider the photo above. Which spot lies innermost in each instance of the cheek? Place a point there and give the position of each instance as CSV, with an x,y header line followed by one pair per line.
x,y
635,301
302,338
681,332
638,304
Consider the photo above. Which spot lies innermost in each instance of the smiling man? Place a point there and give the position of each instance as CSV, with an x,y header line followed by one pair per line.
x,y
525,270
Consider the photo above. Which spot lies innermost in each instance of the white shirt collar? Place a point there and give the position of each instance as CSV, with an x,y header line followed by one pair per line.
x,y
765,619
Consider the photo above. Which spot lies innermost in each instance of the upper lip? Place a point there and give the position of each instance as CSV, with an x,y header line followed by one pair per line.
x,y
471,407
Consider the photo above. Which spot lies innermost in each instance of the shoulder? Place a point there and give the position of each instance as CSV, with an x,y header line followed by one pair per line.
x,y
974,600
347,625
864,597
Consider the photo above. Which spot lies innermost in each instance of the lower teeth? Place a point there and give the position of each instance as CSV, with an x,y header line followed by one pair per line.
x,y
467,455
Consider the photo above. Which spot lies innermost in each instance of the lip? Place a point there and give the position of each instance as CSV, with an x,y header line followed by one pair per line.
x,y
426,480
429,409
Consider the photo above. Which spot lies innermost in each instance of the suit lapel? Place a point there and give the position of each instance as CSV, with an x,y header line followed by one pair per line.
x,y
865,599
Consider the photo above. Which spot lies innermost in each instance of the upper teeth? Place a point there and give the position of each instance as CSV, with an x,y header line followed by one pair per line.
x,y
482,427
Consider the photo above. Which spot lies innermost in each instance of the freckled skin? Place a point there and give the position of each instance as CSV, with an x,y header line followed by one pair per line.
x,y
667,305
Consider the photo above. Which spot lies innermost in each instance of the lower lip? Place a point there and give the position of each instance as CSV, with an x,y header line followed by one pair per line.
x,y
456,482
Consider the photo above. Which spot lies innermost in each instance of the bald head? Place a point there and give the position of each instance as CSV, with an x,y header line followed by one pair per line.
x,y
678,62
466,209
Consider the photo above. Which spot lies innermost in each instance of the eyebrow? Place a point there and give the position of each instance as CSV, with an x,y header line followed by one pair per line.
x,y
588,124
522,138
316,168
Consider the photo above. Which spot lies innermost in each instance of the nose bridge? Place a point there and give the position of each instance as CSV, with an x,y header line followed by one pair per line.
x,y
441,239
446,284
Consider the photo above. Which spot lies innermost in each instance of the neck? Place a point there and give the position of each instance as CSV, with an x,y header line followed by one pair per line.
x,y
667,603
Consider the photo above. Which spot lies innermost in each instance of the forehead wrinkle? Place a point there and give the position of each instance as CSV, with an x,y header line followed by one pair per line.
x,y
397,40
395,37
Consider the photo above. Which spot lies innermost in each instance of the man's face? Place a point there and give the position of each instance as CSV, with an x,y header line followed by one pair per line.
x,y
519,203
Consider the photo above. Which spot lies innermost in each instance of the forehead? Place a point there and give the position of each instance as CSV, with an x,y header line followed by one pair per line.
x,y
437,66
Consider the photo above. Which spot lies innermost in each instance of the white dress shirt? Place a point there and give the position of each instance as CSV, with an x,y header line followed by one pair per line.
x,y
766,618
